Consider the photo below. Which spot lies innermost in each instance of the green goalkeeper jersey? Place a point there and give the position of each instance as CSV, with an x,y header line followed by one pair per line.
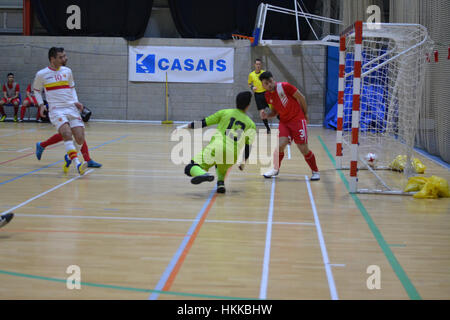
x,y
235,128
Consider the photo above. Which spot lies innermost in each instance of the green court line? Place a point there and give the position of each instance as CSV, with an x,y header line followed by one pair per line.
x,y
401,274
107,286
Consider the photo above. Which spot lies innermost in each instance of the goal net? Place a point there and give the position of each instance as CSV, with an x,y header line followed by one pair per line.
x,y
381,79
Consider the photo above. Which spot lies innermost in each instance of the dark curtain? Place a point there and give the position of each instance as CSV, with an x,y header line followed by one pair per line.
x,y
100,18
220,19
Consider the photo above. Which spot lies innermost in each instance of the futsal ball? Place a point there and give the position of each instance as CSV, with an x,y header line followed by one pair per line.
x,y
371,159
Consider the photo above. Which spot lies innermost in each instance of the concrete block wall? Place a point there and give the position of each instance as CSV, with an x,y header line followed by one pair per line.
x,y
100,67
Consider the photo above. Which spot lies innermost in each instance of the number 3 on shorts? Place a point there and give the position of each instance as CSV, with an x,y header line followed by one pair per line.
x,y
302,133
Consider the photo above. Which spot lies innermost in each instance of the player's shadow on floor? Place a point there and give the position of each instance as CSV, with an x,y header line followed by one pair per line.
x,y
196,195
201,195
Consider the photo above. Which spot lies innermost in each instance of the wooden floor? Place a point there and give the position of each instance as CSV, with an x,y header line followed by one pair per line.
x,y
138,229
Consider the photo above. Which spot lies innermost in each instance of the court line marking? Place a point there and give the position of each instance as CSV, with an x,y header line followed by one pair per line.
x,y
24,149
27,155
16,133
29,173
44,193
107,286
171,271
323,247
266,261
52,164
119,176
157,219
433,158
93,232
398,270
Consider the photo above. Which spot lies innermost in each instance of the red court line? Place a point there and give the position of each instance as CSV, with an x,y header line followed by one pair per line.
x,y
25,155
180,261
95,232
183,255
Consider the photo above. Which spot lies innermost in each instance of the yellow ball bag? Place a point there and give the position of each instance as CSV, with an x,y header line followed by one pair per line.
x,y
419,166
429,191
442,186
415,184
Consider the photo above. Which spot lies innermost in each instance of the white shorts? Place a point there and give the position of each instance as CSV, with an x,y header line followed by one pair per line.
x,y
71,115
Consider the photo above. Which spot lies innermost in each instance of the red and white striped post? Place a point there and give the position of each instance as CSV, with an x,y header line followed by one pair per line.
x,y
356,107
340,111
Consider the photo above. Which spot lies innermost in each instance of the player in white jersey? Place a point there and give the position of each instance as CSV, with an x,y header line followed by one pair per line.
x,y
64,107
40,146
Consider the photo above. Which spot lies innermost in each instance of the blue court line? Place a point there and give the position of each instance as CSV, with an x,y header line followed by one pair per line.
x,y
165,276
51,165
433,158
28,173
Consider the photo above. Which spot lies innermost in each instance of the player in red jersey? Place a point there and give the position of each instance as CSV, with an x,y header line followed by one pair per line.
x,y
29,101
290,105
11,91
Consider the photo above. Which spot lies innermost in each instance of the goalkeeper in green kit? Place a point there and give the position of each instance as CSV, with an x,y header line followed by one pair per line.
x,y
235,130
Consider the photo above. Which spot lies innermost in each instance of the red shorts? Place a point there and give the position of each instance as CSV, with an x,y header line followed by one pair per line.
x,y
31,101
12,101
295,129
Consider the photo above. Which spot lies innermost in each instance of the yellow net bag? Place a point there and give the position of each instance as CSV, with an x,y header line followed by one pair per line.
x,y
398,164
428,188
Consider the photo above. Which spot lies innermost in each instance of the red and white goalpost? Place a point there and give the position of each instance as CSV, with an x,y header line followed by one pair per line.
x,y
381,78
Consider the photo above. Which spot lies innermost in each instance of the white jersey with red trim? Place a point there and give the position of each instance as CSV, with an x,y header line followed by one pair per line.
x,y
58,86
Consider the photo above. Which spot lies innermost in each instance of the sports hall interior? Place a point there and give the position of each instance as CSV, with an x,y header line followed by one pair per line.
x,y
136,228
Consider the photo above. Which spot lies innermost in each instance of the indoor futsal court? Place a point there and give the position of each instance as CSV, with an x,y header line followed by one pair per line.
x,y
341,193
137,222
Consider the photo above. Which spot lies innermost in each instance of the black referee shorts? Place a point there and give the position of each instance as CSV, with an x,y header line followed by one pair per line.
x,y
261,102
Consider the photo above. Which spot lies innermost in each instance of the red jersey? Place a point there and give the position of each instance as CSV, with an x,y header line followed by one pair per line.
x,y
29,90
282,99
11,89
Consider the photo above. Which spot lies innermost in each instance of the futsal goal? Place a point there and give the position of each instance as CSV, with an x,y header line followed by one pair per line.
x,y
381,78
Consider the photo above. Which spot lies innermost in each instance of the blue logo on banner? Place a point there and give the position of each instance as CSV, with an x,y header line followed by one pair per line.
x,y
148,64
145,64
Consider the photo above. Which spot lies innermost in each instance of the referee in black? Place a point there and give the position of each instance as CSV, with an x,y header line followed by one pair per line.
x,y
257,88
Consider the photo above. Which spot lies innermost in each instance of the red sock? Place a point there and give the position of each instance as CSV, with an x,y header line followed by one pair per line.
x,y
52,140
2,111
311,160
280,158
16,110
85,152
22,112
38,115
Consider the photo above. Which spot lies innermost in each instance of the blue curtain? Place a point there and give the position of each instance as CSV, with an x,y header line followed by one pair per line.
x,y
330,120
373,109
